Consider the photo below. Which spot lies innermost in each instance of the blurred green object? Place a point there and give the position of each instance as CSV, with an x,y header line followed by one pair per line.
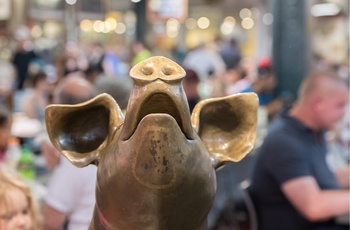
x,y
141,56
26,163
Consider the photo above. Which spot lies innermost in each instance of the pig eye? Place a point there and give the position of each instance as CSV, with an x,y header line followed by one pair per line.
x,y
147,71
167,71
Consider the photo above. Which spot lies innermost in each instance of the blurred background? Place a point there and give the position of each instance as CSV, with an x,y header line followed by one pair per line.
x,y
226,47
293,33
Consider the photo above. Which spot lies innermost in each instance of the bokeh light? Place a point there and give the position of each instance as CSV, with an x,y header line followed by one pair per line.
x,y
247,23
228,25
71,2
111,23
98,26
121,28
173,23
203,22
245,13
86,25
191,23
268,19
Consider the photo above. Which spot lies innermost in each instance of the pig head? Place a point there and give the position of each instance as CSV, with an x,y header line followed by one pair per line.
x,y
156,167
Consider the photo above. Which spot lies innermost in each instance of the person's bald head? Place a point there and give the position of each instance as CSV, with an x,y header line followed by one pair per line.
x,y
74,90
323,97
321,83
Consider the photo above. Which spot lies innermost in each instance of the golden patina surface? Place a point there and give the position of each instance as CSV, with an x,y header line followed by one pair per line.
x,y
156,167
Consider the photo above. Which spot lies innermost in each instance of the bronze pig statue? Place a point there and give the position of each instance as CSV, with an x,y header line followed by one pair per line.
x,y
156,167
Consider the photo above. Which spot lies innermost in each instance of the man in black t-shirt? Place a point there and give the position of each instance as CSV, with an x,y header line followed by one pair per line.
x,y
292,185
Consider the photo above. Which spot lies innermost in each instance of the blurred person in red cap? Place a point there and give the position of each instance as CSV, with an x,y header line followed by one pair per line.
x,y
264,85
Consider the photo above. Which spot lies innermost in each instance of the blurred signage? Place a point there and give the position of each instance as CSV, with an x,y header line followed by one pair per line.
x,y
5,9
162,10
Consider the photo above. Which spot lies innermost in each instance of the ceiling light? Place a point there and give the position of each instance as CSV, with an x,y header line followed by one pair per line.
x,y
326,9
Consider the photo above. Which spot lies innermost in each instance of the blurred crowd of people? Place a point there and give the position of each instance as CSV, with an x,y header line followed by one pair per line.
x,y
30,83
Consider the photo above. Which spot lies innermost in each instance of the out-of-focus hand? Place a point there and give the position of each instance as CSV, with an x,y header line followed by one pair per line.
x,y
343,175
50,154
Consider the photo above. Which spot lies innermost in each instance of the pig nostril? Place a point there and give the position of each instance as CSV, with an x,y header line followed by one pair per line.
x,y
167,71
147,71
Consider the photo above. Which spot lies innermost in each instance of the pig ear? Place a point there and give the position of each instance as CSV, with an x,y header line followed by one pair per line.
x,y
227,126
82,131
